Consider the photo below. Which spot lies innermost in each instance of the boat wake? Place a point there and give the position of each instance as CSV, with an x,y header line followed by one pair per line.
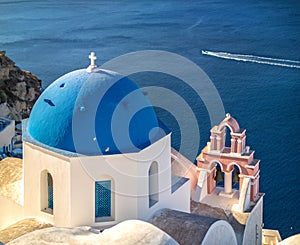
x,y
254,59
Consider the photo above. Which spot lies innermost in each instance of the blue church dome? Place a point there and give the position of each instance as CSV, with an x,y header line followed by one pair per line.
x,y
94,112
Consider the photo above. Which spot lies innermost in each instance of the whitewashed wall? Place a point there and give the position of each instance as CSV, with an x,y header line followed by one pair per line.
x,y
74,184
35,160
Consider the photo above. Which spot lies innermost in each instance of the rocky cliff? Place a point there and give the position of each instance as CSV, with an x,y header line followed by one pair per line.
x,y
19,90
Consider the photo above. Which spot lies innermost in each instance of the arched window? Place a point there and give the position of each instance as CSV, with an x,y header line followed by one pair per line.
x,y
50,191
227,138
153,184
47,203
104,200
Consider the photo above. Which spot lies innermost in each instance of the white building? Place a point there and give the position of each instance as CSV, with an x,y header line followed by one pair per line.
x,y
7,132
94,154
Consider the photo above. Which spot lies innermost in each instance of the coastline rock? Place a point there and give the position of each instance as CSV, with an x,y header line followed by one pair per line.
x,y
19,90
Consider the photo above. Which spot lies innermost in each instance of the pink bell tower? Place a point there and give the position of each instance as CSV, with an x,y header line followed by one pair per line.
x,y
218,159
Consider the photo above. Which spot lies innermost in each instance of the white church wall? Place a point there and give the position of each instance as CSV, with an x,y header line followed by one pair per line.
x,y
37,160
253,229
160,152
85,172
180,199
129,173
81,196
74,185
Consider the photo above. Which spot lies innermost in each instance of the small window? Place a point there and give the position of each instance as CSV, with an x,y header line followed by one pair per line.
x,y
47,193
103,199
50,191
153,184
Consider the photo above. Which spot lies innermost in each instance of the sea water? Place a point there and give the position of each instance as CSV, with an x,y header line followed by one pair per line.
x,y
253,64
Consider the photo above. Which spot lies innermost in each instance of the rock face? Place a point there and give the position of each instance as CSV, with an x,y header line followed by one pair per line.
x,y
18,90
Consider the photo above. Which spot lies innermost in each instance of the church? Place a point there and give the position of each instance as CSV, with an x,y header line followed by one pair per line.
x,y
95,154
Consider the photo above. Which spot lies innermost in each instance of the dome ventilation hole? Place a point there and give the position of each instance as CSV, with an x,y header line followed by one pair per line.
x,y
49,102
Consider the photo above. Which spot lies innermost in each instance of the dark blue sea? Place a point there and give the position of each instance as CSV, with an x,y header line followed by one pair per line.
x,y
51,38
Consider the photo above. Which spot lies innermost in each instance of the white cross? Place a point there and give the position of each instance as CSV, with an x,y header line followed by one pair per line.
x,y
92,57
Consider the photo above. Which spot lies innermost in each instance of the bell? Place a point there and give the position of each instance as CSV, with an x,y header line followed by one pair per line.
x,y
236,178
219,176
